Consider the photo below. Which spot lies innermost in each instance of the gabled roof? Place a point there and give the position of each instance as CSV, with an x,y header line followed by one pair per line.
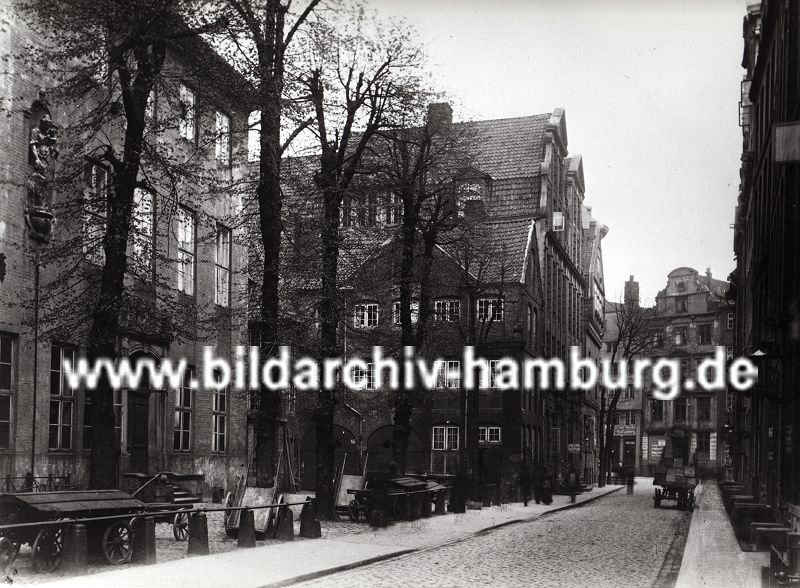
x,y
500,250
508,147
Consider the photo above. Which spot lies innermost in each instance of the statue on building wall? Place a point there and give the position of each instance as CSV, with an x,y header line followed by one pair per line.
x,y
42,155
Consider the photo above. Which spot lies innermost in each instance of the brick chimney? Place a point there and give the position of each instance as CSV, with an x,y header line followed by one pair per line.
x,y
708,275
440,117
632,292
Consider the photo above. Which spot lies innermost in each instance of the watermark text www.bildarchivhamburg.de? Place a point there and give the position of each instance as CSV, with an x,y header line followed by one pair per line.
x,y
249,372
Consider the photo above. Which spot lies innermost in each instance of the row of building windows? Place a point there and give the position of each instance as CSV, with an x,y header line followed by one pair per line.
x,y
366,314
188,122
142,238
446,437
62,405
681,408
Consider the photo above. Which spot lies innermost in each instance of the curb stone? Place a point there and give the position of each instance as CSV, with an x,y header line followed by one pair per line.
x,y
380,558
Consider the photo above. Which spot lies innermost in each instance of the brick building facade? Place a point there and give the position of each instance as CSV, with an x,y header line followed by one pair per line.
x,y
763,430
531,199
192,295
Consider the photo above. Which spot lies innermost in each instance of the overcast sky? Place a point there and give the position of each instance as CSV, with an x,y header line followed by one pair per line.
x,y
651,92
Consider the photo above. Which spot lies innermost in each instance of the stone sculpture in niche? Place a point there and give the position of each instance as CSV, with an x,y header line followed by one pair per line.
x,y
42,155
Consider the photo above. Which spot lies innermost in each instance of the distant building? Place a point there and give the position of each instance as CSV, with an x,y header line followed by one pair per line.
x,y
693,317
627,422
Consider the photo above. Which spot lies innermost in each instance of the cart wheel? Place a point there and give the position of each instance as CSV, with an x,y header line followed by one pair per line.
x,y
352,511
180,526
117,543
8,553
47,549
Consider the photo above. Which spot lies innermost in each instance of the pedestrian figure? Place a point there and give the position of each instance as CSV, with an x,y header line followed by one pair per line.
x,y
547,487
631,478
572,483
525,483
538,483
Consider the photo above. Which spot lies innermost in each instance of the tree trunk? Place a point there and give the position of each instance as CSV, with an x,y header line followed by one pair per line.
x,y
270,204
401,431
326,399
105,328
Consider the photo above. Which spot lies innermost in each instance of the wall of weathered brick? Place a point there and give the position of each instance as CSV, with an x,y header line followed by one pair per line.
x,y
207,324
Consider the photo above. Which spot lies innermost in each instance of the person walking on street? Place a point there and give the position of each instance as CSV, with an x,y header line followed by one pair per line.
x,y
572,483
538,483
630,479
525,483
547,486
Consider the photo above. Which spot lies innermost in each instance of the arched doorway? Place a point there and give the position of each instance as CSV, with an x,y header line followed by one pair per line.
x,y
379,452
345,455
138,438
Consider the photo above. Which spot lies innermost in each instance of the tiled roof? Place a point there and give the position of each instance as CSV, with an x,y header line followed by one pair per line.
x,y
508,147
497,250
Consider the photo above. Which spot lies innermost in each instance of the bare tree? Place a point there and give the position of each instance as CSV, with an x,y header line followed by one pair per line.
x,y
636,328
359,72
258,39
414,162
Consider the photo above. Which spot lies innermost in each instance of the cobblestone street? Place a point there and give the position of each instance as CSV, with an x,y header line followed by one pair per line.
x,y
618,540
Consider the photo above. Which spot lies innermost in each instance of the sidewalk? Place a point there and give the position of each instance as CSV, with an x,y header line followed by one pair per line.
x,y
712,557
343,546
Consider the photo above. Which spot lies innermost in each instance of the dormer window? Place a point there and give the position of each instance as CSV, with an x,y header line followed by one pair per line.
x,y
558,221
471,195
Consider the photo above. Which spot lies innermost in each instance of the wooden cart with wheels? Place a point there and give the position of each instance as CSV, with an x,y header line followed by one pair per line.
x,y
111,539
676,483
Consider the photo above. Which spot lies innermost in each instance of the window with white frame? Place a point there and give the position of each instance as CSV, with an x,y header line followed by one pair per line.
x,y
394,210
94,213
188,113
730,321
493,363
490,309
396,312
222,260
445,438
61,399
558,221
7,383
489,434
182,427
365,314
447,309
142,230
449,375
291,401
222,140
220,420
186,250
626,417
364,378
254,136
120,418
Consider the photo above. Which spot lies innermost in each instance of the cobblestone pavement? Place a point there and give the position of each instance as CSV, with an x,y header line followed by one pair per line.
x,y
616,541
